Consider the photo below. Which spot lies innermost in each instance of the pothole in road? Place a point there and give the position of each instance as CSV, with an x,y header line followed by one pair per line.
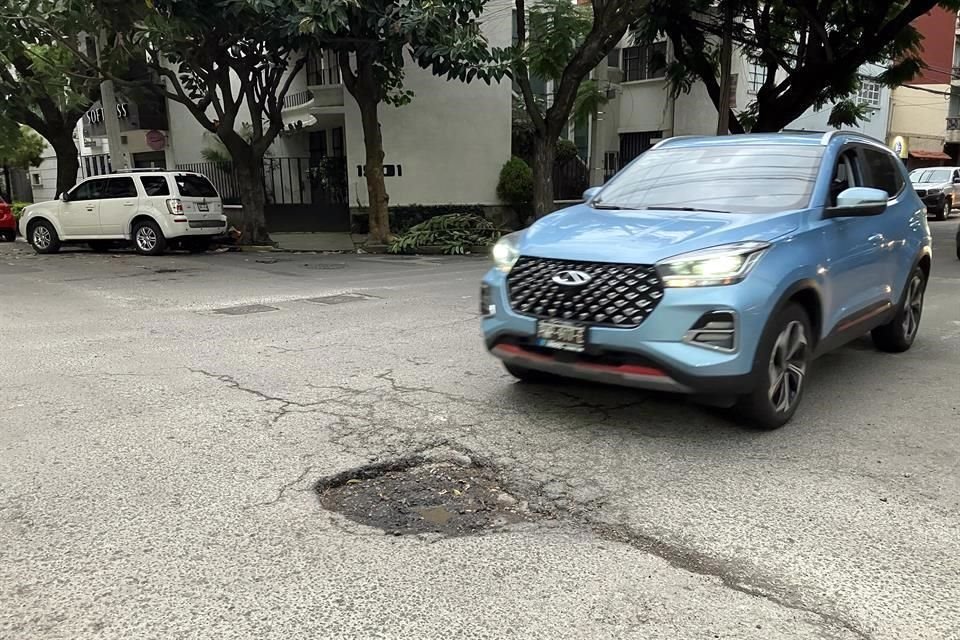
x,y
452,497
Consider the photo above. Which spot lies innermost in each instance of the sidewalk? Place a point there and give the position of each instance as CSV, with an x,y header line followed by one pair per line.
x,y
342,241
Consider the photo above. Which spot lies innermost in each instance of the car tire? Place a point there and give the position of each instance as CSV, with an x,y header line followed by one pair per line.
x,y
898,335
948,207
8,236
942,212
148,239
43,237
201,245
782,366
100,246
531,376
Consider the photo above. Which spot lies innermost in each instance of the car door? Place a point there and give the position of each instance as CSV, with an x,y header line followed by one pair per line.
x,y
79,214
118,205
859,267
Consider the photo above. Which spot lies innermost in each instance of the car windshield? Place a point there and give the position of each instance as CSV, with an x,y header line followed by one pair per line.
x,y
745,178
928,176
192,186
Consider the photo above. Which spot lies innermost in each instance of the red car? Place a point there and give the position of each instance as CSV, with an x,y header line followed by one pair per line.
x,y
8,224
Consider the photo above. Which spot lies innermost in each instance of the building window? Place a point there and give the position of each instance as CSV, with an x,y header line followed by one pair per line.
x,y
36,179
756,76
613,59
869,93
645,63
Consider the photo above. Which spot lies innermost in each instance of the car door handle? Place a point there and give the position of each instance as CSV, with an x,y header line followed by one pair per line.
x,y
129,204
878,237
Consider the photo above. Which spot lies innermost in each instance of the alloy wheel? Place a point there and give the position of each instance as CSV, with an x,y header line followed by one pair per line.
x,y
41,237
788,366
146,239
913,308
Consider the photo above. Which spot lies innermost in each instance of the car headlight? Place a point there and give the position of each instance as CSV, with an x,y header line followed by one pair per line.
x,y
726,264
934,192
506,251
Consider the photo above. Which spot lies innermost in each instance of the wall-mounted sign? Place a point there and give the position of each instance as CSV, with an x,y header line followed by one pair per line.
x,y
389,171
95,116
900,147
156,140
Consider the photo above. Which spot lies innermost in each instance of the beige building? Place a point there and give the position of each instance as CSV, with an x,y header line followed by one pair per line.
x,y
918,124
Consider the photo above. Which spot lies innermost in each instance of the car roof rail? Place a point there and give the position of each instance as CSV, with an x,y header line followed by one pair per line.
x,y
830,135
140,171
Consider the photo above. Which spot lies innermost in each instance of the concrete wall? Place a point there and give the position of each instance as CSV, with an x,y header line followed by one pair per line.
x,y
920,117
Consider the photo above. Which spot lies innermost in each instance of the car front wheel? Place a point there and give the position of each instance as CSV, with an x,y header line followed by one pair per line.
x,y
782,366
43,237
899,334
148,239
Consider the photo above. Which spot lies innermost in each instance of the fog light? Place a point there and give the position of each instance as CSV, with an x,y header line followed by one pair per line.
x,y
714,330
487,308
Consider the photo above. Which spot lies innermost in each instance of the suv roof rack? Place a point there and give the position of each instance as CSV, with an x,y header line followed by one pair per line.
x,y
141,171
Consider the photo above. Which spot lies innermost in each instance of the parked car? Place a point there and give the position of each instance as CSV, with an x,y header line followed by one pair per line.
x,y
718,267
8,224
151,209
936,186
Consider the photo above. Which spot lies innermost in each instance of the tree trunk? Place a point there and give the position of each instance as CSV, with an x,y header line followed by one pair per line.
x,y
544,154
68,161
253,197
373,169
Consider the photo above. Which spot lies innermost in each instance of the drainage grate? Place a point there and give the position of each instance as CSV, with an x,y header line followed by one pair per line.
x,y
245,310
339,299
455,497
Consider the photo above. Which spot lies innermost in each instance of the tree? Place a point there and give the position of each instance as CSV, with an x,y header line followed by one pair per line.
x,y
564,43
45,86
231,64
809,52
372,39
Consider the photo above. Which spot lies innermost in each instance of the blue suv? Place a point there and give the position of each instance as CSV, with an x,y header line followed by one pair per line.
x,y
717,267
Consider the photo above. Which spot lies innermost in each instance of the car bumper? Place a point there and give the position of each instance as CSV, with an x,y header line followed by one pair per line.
x,y
654,355
192,228
935,202
8,223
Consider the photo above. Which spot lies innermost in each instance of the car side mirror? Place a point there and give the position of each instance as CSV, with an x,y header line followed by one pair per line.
x,y
956,180
590,193
65,197
859,202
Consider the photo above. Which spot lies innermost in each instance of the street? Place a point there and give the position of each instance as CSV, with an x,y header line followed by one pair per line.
x,y
165,422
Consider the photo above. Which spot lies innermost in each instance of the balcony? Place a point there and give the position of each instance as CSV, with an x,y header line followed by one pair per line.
x,y
299,99
323,78
953,129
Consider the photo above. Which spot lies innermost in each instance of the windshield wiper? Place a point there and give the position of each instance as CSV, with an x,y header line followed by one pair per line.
x,y
596,204
694,209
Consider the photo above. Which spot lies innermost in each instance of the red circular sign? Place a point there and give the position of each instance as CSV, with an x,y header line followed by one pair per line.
x,y
156,140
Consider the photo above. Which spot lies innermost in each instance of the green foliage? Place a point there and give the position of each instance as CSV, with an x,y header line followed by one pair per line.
x,y
557,28
809,54
18,207
590,99
566,151
516,186
20,147
455,233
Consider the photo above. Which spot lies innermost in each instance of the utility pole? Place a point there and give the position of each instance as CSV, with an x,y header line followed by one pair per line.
x,y
726,63
108,99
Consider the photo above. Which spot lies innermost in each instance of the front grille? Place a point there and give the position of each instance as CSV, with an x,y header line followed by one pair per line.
x,y
617,295
922,193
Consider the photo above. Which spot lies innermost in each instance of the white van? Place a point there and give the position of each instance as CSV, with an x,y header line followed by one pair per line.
x,y
150,209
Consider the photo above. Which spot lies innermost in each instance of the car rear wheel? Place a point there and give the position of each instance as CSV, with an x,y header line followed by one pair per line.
x,y
530,375
898,336
43,237
148,239
782,366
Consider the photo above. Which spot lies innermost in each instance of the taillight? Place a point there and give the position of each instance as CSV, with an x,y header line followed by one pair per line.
x,y
175,207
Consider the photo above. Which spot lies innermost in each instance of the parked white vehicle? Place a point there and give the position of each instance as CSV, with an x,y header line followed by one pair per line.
x,y
150,209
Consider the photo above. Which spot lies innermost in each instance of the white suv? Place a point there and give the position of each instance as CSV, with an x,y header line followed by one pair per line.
x,y
150,209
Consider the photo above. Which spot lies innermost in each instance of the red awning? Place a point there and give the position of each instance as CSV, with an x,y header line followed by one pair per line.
x,y
930,155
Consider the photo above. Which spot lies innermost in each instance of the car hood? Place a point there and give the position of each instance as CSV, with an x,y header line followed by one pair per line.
x,y
645,237
931,185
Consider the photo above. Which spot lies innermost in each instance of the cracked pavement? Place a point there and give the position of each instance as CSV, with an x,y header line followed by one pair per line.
x,y
158,461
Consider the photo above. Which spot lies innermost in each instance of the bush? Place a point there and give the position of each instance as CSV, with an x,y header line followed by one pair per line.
x,y
516,186
566,151
18,208
456,233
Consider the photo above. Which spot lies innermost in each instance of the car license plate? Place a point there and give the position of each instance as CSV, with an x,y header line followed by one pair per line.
x,y
203,207
560,335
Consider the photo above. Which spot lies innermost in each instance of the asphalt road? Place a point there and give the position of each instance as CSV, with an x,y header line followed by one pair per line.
x,y
158,460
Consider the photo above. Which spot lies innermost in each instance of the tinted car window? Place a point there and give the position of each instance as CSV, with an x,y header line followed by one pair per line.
x,y
155,185
883,173
120,188
191,186
737,178
89,190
